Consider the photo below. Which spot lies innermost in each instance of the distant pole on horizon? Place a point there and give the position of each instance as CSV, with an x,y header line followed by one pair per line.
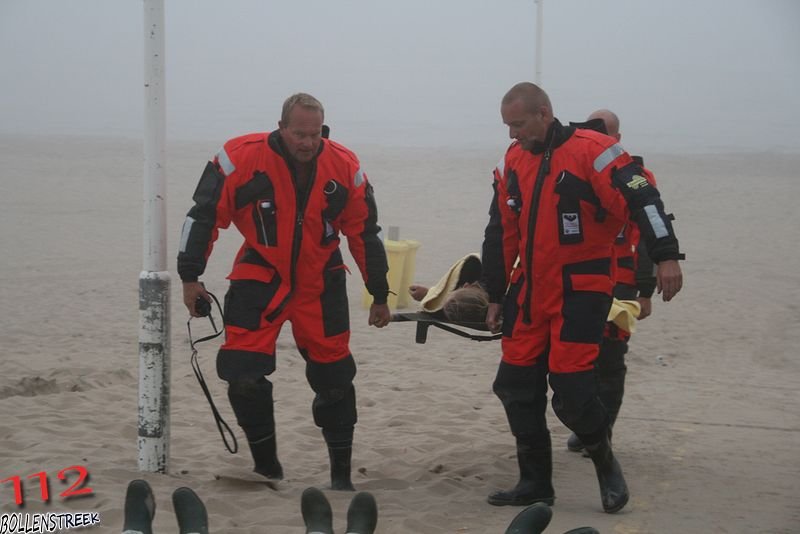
x,y
154,280
539,26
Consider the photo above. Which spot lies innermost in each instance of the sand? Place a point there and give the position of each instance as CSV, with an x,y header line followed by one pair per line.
x,y
708,435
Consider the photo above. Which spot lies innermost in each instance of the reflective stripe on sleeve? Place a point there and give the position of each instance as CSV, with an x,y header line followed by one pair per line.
x,y
358,179
656,222
187,228
608,155
225,162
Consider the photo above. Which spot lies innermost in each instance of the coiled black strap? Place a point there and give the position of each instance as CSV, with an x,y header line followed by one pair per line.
x,y
222,426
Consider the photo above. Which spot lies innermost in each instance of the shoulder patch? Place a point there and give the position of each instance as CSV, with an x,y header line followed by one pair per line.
x,y
637,182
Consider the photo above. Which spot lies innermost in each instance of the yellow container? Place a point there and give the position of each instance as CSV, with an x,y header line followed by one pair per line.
x,y
409,269
395,256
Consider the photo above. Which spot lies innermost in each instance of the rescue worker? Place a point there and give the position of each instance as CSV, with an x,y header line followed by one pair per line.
x,y
635,280
290,193
561,196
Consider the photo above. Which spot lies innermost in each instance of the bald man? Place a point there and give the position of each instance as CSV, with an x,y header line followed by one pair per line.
x,y
610,121
561,197
635,280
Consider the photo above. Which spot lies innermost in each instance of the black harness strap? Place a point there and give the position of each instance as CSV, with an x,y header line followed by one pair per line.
x,y
425,321
222,426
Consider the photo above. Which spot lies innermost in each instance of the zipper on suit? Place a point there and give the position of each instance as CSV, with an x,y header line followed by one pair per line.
x,y
297,238
544,170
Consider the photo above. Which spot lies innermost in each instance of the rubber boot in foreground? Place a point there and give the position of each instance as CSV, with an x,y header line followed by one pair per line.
x,y
532,520
317,513
140,507
362,514
190,512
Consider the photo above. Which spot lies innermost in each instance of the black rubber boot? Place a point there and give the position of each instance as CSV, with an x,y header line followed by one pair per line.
x,y
340,455
362,514
613,489
532,520
190,512
251,399
574,443
535,477
317,513
265,456
140,507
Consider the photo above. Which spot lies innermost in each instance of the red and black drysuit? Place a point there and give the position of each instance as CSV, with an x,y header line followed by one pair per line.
x,y
288,268
559,207
635,278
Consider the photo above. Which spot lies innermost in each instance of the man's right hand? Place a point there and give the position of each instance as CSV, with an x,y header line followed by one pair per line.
x,y
192,290
494,317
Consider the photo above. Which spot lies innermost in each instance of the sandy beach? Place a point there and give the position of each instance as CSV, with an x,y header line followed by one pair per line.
x,y
708,435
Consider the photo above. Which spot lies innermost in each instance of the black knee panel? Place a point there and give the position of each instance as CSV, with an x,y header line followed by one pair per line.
x,y
611,359
611,370
523,392
576,404
234,363
334,406
517,383
331,376
249,392
251,400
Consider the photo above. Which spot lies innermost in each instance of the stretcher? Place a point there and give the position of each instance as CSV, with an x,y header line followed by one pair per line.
x,y
425,320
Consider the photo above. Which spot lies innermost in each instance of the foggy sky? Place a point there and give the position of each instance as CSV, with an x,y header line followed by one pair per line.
x,y
684,75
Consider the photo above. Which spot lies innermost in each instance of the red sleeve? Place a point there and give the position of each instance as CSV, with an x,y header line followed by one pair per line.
x,y
359,223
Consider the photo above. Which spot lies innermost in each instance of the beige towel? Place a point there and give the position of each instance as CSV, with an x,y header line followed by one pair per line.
x,y
623,313
434,300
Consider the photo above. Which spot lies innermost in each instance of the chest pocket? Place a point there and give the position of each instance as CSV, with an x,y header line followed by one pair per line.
x,y
259,193
335,199
571,190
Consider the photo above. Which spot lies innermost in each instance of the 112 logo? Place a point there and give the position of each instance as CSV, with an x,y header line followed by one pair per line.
x,y
77,488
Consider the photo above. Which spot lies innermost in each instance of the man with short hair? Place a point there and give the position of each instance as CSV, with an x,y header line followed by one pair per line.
x,y
561,196
290,193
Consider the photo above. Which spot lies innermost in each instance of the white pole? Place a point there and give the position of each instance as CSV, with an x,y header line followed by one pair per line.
x,y
154,280
539,26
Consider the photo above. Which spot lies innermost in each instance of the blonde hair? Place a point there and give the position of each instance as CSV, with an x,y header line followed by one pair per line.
x,y
467,304
300,99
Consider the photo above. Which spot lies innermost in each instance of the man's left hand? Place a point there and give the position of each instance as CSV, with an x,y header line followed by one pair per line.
x,y
379,315
645,307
